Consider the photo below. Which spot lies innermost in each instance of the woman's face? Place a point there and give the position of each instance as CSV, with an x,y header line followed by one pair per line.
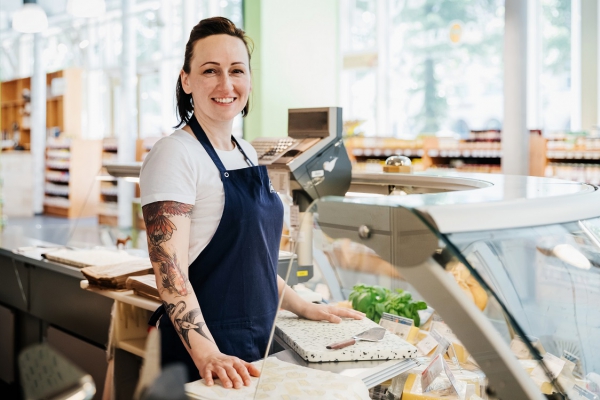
x,y
219,78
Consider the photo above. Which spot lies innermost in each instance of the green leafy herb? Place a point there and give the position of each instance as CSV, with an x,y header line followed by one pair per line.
x,y
375,300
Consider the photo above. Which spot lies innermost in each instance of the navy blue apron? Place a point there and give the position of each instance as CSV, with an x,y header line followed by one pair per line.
x,y
235,276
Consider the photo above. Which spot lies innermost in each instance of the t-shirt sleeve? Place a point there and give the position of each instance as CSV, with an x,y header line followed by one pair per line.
x,y
168,174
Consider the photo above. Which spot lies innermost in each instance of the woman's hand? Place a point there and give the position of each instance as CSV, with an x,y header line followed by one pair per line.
x,y
232,371
323,312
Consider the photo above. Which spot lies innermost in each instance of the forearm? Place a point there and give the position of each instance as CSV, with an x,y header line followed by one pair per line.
x,y
291,300
168,226
187,319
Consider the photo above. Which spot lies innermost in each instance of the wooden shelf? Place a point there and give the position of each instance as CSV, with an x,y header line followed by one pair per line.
x,y
110,220
134,346
80,187
56,211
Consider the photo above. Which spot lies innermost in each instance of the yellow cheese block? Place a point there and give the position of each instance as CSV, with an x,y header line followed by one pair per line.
x,y
464,376
461,353
413,335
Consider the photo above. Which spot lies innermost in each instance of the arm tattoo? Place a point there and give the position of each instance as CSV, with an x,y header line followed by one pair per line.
x,y
160,229
183,325
156,216
173,279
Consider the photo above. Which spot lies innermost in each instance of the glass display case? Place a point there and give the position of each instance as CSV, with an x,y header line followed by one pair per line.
x,y
496,289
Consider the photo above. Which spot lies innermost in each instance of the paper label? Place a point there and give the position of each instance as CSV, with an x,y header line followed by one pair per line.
x,y
399,326
280,180
294,216
579,393
459,387
577,370
554,365
427,344
443,330
519,349
433,370
424,315
443,343
317,173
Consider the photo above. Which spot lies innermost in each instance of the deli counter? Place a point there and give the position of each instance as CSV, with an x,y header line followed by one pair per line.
x,y
508,265
486,284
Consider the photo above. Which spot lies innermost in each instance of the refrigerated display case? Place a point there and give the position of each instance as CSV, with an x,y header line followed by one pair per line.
x,y
510,264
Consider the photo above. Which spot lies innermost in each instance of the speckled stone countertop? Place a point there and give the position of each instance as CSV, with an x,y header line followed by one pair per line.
x,y
310,338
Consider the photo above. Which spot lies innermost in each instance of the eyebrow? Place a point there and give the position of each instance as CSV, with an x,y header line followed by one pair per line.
x,y
216,63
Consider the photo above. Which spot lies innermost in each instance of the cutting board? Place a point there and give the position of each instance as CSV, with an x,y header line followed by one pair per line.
x,y
310,338
282,380
90,257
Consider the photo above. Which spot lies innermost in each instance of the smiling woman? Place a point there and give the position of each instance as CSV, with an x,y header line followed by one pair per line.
x,y
214,226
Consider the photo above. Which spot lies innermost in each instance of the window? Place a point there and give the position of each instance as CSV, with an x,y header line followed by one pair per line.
x,y
422,66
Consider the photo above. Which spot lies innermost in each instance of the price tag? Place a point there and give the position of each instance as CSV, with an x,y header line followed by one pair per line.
x,y
424,315
443,343
554,364
294,216
399,326
443,330
433,370
577,370
579,393
519,349
427,344
459,387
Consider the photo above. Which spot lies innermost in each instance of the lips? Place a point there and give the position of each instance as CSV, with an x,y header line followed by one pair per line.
x,y
224,100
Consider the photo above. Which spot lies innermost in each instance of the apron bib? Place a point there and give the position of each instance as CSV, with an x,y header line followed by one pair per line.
x,y
235,276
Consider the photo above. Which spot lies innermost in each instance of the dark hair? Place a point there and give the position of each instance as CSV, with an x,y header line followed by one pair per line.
x,y
205,28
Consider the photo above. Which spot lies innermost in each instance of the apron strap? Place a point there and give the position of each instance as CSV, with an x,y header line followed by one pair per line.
x,y
205,142
156,316
248,160
203,139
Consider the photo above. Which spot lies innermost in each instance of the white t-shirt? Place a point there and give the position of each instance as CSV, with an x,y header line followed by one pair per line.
x,y
179,169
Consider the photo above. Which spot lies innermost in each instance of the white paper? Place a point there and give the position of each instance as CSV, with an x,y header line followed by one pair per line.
x,y
433,370
427,344
554,365
519,349
282,380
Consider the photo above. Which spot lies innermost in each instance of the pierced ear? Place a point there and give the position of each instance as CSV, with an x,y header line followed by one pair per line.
x,y
185,83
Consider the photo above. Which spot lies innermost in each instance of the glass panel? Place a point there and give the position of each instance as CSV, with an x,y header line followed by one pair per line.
x,y
349,266
524,298
549,279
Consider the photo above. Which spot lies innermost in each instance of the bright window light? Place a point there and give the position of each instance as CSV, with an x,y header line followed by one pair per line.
x,y
86,8
30,18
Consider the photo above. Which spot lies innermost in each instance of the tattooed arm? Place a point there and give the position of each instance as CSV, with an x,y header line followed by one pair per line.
x,y
168,230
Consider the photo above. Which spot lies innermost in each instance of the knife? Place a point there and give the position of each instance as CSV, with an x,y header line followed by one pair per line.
x,y
370,335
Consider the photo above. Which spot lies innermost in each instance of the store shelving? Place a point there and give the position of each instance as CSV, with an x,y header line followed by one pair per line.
x,y
63,107
71,189
108,211
573,157
16,106
482,152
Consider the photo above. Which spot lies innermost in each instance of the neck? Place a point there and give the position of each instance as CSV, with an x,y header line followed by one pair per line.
x,y
218,132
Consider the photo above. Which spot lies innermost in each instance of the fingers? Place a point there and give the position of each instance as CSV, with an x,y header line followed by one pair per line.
x,y
252,369
207,375
242,370
333,318
233,372
222,374
234,376
346,313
